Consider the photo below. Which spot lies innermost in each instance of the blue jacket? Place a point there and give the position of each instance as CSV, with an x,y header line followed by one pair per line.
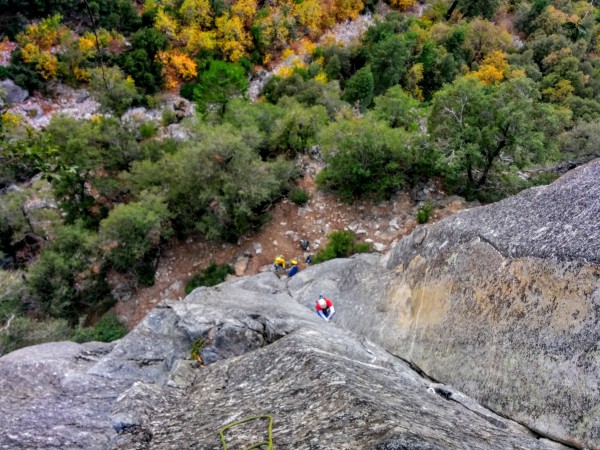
x,y
293,271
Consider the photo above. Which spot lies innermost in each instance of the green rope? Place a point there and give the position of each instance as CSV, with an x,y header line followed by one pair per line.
x,y
269,443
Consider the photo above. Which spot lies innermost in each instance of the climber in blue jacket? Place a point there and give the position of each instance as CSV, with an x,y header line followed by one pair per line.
x,y
294,270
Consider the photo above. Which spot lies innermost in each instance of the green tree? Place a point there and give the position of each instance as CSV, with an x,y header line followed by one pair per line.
x,y
113,90
67,280
359,88
219,84
296,130
216,184
472,8
389,61
398,109
132,231
89,152
476,125
364,156
141,63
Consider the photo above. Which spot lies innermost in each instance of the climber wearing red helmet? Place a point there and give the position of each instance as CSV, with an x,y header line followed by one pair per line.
x,y
325,308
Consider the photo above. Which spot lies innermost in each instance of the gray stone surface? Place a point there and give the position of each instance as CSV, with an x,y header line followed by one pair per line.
x,y
13,93
325,388
502,302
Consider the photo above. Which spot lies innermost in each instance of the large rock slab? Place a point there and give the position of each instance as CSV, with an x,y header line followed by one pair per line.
x,y
502,302
12,93
324,387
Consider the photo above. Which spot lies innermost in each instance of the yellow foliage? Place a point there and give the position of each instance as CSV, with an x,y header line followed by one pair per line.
x,y
309,14
176,67
488,75
87,44
347,9
321,78
403,5
46,64
285,71
194,39
517,73
307,47
493,69
232,38
8,120
44,34
196,12
165,23
149,6
320,60
244,9
415,76
287,53
559,93
81,74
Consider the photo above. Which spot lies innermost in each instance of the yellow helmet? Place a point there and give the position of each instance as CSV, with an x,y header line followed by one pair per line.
x,y
294,262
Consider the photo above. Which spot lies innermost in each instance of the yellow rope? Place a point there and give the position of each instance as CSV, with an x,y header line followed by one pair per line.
x,y
269,442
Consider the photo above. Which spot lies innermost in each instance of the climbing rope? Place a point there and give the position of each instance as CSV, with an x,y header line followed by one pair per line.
x,y
268,443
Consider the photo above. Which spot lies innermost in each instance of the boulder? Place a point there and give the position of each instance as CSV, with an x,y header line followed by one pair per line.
x,y
501,301
323,387
12,92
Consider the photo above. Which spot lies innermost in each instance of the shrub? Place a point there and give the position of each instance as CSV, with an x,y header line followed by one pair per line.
x,y
213,275
197,347
341,245
364,157
109,328
147,130
113,90
362,247
132,231
299,196
24,332
424,212
168,117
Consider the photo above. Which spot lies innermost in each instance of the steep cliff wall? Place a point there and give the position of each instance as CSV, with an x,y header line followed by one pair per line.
x,y
325,388
502,302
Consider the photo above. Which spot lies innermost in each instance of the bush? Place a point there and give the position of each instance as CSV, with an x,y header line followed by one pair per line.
x,y
341,245
197,347
424,212
213,275
362,247
132,231
299,196
168,117
148,130
365,157
109,328
24,332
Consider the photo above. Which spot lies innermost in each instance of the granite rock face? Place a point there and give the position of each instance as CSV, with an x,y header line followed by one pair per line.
x,y
324,387
502,302
12,93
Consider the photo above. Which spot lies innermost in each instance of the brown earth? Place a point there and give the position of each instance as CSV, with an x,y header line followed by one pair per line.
x,y
281,235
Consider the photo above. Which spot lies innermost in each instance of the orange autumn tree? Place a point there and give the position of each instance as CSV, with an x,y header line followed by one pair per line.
x,y
177,67
39,43
403,5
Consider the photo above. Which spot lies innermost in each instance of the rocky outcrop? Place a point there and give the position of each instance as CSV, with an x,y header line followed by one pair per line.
x,y
502,302
11,93
324,387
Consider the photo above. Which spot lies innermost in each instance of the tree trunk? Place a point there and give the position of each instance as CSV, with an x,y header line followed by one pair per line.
x,y
451,10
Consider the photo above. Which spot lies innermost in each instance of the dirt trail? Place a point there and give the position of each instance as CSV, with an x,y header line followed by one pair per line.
x,y
382,224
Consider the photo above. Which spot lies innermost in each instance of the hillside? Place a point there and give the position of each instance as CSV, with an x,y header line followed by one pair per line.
x,y
470,333
193,121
